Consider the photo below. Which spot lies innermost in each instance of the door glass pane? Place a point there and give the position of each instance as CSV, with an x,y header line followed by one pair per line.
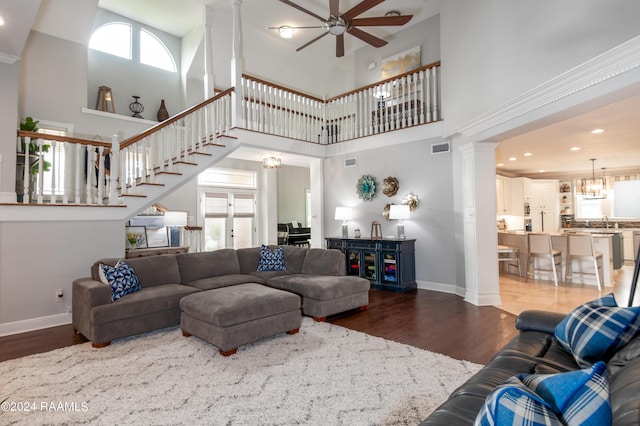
x,y
215,230
242,232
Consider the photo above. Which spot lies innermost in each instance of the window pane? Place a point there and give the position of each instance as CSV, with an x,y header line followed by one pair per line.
x,y
243,205
242,232
113,38
153,52
227,178
215,229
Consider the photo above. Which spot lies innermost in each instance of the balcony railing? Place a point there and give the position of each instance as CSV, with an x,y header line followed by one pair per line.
x,y
80,171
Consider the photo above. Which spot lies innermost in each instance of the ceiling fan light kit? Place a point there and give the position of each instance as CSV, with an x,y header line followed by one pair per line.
x,y
338,24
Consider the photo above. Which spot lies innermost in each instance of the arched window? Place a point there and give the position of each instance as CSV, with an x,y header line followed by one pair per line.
x,y
113,38
153,52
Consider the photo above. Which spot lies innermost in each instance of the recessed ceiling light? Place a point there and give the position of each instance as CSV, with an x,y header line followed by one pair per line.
x,y
575,148
528,154
3,20
512,158
541,171
500,164
596,131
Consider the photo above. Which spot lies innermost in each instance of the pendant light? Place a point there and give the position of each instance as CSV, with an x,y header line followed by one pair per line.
x,y
593,188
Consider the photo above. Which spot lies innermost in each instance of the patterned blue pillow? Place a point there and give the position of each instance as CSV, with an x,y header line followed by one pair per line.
x,y
122,278
578,397
271,260
596,330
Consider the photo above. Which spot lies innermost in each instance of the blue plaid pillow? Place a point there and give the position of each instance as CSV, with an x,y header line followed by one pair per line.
x,y
596,330
122,278
271,260
578,397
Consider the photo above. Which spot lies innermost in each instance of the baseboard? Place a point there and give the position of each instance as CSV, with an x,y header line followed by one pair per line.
x,y
8,197
442,288
34,324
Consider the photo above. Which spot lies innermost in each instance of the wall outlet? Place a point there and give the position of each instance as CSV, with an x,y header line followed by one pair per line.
x,y
59,295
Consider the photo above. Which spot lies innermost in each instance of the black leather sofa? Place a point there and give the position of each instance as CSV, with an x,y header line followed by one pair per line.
x,y
535,350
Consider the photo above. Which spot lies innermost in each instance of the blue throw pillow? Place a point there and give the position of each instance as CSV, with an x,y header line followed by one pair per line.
x,y
574,398
271,260
122,278
596,330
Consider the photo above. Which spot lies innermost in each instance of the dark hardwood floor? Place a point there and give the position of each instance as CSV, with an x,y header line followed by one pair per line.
x,y
434,321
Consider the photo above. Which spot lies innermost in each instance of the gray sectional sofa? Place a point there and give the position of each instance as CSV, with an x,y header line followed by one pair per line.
x,y
316,275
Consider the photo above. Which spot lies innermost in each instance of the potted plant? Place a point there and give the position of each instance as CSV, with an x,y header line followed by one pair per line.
x,y
30,154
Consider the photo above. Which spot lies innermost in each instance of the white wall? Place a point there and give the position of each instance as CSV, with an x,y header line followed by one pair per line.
x,y
495,50
8,122
420,173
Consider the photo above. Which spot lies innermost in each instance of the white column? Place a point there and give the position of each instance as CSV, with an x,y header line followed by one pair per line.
x,y
268,207
209,80
237,67
316,178
478,189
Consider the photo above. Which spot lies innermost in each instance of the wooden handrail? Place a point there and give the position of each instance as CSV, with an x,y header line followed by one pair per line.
x,y
127,142
48,137
277,86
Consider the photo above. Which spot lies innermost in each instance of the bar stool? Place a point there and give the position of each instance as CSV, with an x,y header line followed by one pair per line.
x,y
510,255
580,247
540,249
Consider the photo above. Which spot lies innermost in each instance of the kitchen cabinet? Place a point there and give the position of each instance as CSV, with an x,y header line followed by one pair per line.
x,y
389,264
503,196
520,194
545,206
627,236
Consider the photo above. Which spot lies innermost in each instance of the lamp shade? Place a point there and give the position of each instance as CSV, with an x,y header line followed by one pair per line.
x,y
175,218
401,211
344,213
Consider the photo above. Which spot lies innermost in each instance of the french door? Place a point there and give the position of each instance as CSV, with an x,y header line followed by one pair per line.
x,y
229,219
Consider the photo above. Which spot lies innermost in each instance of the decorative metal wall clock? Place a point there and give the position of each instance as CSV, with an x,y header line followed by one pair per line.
x,y
366,187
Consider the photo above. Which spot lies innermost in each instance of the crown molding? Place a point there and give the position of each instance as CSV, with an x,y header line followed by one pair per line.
x,y
613,63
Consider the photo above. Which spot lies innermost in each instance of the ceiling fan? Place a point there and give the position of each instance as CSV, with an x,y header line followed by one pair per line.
x,y
338,23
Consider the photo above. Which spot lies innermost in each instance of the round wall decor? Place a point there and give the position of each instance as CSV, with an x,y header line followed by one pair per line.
x,y
390,186
366,187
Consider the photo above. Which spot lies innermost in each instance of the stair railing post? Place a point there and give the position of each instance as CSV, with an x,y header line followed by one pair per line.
x,y
236,68
114,172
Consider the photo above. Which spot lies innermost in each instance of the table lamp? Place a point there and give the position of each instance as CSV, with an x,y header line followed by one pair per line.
x,y
400,212
344,214
173,220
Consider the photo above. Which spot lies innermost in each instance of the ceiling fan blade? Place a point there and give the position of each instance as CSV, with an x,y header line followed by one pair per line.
x,y
381,21
366,37
312,41
297,28
334,8
361,7
302,9
340,46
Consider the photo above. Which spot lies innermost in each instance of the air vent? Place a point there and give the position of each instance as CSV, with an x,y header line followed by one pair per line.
x,y
350,162
439,148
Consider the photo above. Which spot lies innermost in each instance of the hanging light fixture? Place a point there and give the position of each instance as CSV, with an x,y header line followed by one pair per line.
x,y
593,188
271,162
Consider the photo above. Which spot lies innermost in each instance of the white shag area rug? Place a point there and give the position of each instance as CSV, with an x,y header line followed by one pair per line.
x,y
324,375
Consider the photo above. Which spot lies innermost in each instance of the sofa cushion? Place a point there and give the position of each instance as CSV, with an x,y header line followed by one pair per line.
x,y
151,270
249,258
630,352
195,266
320,287
141,303
579,397
122,278
596,330
324,262
271,260
210,283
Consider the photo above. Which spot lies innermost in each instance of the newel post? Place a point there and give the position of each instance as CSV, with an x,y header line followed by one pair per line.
x,y
114,172
237,67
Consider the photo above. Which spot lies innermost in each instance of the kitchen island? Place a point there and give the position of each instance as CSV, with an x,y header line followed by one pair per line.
x,y
602,241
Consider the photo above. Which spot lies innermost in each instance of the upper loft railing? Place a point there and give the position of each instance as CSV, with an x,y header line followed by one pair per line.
x,y
406,100
86,172
121,169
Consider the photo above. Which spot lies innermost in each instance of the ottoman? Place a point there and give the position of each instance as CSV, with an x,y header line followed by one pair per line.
x,y
228,317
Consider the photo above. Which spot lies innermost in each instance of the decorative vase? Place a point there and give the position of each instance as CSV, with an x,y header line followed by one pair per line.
x,y
136,107
163,114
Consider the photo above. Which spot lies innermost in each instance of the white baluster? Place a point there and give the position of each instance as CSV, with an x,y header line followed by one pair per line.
x,y
54,170
40,184
77,150
426,104
100,163
436,97
114,173
90,173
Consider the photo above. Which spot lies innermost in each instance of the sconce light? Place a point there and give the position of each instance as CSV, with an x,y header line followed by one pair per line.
x,y
344,214
271,162
173,220
400,212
